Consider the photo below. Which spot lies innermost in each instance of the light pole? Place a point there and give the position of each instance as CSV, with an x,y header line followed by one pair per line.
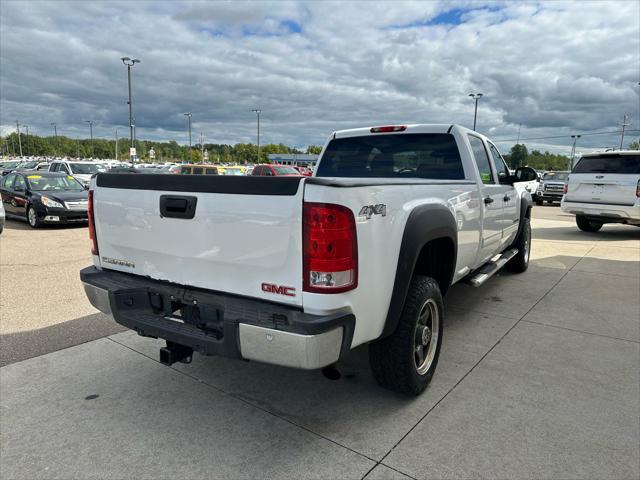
x,y
258,112
130,63
624,124
188,114
476,97
116,144
19,141
90,122
26,139
55,134
573,150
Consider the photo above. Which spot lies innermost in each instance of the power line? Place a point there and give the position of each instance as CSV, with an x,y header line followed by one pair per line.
x,y
566,136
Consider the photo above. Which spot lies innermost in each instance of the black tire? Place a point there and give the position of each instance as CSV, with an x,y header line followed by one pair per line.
x,y
32,218
395,360
587,225
520,262
539,202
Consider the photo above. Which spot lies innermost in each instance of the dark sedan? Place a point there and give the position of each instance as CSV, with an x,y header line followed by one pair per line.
x,y
44,197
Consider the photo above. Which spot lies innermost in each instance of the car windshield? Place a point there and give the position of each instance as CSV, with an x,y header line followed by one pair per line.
x,y
10,164
556,176
29,164
40,183
285,170
233,171
412,155
609,163
87,168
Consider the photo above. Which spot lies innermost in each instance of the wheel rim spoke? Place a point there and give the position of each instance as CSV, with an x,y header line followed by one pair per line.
x,y
426,336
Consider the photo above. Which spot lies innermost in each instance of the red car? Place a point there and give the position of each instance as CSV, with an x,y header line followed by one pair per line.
x,y
304,171
275,171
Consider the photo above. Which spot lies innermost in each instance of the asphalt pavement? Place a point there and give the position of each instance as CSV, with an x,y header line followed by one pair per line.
x,y
538,378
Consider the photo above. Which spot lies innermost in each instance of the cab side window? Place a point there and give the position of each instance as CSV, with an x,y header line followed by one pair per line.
x,y
19,183
63,168
501,166
482,159
7,182
54,167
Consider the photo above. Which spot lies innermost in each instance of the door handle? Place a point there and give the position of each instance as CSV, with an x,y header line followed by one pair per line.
x,y
488,200
506,198
178,206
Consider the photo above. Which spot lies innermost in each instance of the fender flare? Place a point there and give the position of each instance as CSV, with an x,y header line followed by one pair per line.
x,y
526,204
425,223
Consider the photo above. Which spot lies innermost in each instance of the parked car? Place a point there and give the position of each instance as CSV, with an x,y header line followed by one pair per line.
x,y
2,216
297,271
80,170
44,197
604,188
10,166
551,187
268,170
198,169
34,165
233,170
304,171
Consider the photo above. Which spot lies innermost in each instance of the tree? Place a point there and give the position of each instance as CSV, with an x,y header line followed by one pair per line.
x,y
635,145
518,155
314,149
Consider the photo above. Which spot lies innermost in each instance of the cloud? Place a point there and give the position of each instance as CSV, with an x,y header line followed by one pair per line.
x,y
547,68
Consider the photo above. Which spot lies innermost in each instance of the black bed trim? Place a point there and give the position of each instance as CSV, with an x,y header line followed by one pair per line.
x,y
249,185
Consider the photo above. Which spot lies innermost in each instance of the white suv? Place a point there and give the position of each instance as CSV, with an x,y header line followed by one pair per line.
x,y
604,188
81,170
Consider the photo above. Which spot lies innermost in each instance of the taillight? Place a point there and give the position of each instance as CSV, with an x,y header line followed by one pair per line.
x,y
92,225
638,189
330,248
565,189
389,128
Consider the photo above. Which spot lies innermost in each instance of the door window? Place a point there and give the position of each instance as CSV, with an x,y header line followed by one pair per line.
x,y
55,167
19,184
197,170
8,181
482,160
501,166
63,168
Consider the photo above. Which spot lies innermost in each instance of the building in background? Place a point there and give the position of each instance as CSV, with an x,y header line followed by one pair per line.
x,y
295,159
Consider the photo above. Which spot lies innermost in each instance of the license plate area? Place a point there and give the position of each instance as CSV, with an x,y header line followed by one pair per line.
x,y
206,317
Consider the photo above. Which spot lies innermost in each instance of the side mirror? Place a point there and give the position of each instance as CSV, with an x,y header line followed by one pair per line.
x,y
525,174
86,187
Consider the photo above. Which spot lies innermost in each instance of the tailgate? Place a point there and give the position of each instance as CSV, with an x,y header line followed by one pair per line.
x,y
608,178
245,231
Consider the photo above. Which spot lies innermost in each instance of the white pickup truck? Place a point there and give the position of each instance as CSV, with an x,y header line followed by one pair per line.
x,y
604,188
297,271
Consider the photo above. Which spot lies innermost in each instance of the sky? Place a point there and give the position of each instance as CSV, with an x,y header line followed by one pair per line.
x,y
546,69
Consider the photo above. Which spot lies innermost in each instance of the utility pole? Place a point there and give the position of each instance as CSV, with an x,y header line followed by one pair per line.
x,y
476,97
258,112
55,134
189,114
573,150
90,122
26,139
130,63
19,141
116,144
202,146
624,124
518,140
77,147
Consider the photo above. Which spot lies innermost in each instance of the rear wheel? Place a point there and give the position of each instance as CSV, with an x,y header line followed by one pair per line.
x,y
32,218
520,262
406,360
586,225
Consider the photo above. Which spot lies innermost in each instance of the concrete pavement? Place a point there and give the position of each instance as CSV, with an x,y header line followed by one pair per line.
x,y
538,378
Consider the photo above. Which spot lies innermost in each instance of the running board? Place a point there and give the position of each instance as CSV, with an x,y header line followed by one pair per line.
x,y
490,268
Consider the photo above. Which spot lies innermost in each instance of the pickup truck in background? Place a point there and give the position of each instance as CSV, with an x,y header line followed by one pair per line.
x,y
551,187
297,271
604,188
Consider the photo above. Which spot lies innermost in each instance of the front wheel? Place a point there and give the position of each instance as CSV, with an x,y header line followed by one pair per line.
x,y
406,360
539,202
32,218
587,225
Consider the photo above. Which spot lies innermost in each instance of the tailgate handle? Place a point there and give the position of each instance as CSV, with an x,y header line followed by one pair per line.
x,y
177,206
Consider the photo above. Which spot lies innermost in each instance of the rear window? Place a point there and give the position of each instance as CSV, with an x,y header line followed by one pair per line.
x,y
611,163
556,176
408,155
285,170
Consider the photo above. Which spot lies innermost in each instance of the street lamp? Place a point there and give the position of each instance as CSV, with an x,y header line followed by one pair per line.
x,y
90,122
19,141
476,97
26,139
130,63
573,150
55,133
258,112
189,114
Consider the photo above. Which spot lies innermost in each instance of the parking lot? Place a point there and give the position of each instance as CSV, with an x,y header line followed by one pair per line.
x,y
538,378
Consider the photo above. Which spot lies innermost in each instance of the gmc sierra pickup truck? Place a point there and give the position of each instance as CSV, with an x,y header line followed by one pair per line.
x,y
296,271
